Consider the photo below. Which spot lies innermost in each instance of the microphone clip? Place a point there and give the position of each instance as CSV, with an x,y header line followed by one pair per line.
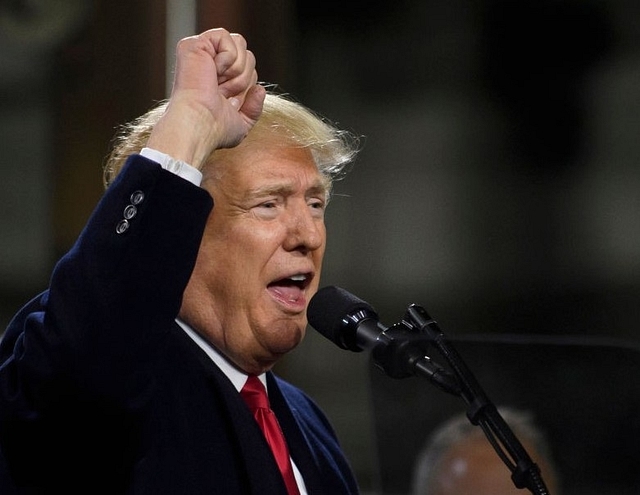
x,y
402,352
401,348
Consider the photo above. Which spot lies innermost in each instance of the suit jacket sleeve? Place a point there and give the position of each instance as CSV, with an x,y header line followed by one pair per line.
x,y
110,298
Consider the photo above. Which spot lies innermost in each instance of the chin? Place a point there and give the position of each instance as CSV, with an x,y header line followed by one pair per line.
x,y
287,340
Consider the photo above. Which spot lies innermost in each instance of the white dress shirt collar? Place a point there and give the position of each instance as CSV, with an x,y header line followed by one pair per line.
x,y
237,377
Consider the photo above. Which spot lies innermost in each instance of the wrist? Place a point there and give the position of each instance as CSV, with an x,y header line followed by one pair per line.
x,y
186,133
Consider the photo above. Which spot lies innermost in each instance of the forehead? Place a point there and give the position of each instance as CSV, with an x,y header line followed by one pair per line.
x,y
254,165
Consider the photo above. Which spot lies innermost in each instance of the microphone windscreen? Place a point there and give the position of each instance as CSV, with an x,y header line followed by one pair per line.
x,y
328,310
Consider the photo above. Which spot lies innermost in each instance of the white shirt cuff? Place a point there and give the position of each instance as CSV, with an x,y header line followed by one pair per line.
x,y
178,167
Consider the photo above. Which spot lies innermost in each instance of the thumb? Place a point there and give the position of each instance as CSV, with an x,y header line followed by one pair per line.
x,y
253,103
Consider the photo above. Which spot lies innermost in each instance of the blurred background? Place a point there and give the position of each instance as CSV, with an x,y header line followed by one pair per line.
x,y
498,185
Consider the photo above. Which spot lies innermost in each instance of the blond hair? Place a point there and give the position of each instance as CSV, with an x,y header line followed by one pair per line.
x,y
282,120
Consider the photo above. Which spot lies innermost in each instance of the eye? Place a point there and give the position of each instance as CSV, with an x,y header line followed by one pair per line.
x,y
268,202
267,209
317,204
317,208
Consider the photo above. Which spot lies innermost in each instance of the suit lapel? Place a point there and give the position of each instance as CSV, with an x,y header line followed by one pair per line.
x,y
252,451
299,448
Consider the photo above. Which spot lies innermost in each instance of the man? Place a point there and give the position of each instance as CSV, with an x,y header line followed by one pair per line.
x,y
193,272
458,459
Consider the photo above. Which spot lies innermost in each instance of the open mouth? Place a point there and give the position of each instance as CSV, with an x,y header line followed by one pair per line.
x,y
291,289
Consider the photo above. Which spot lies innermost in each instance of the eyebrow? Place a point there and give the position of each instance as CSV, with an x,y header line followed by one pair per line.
x,y
285,190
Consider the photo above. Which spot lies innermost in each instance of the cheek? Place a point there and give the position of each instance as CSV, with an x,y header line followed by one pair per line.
x,y
240,253
318,254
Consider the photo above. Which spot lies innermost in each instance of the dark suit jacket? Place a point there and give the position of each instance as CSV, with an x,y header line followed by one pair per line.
x,y
102,392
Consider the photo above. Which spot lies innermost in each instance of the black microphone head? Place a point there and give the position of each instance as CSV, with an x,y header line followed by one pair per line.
x,y
336,313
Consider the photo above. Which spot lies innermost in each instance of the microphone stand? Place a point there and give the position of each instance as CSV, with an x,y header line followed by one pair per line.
x,y
524,472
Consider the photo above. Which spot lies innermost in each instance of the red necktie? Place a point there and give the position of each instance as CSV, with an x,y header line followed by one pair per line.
x,y
255,395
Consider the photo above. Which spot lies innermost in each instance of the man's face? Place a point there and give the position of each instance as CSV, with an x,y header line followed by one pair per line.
x,y
260,258
473,466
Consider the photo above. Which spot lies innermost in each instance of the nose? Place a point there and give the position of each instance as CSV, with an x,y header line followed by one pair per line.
x,y
305,231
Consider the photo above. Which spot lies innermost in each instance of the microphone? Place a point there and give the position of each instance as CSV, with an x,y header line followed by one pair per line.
x,y
353,324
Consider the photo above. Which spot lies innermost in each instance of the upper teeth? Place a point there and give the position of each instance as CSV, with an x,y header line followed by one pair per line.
x,y
298,278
